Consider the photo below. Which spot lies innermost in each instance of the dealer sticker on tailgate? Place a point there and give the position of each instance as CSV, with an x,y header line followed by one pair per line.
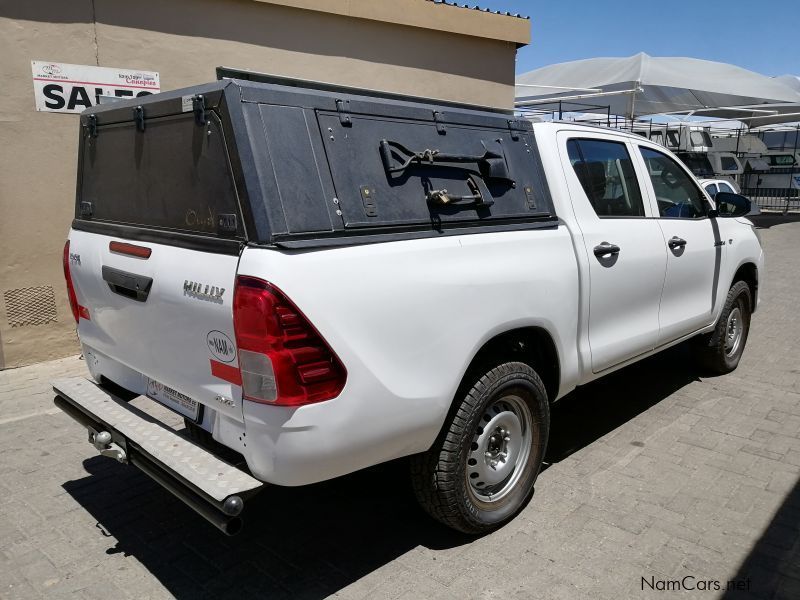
x,y
173,399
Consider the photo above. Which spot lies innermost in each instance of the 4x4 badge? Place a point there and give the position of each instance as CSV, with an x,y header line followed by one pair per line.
x,y
198,290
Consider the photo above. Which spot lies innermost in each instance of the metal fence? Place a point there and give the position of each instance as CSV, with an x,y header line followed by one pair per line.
x,y
760,187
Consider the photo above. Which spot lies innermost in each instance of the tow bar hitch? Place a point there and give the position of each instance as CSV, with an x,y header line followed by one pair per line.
x,y
102,441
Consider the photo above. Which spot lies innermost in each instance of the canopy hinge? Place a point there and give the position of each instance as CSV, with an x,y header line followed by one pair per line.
x,y
199,109
440,126
138,117
343,108
514,127
91,125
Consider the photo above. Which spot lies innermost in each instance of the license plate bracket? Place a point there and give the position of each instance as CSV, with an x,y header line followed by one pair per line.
x,y
174,400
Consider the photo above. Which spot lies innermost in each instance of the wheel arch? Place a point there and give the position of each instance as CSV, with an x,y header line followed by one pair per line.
x,y
533,346
748,272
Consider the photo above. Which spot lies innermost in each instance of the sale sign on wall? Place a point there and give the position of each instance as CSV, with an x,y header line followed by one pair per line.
x,y
61,87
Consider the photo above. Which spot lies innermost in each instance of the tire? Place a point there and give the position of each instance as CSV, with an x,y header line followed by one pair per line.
x,y
721,350
448,479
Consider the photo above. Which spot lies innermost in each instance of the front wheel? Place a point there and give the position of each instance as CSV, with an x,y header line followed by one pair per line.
x,y
481,470
721,350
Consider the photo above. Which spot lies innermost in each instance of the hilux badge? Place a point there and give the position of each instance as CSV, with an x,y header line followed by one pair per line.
x,y
203,291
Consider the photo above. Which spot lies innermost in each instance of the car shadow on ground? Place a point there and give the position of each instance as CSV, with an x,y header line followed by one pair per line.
x,y
312,541
592,411
772,568
767,220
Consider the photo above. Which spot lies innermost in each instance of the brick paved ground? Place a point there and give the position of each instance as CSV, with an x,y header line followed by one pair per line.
x,y
655,472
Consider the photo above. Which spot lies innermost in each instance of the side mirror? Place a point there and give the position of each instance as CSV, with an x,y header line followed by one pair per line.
x,y
731,205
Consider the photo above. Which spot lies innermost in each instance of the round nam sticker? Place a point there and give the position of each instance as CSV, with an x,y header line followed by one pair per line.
x,y
220,346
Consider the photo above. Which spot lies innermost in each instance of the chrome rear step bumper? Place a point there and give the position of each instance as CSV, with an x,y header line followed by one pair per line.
x,y
211,487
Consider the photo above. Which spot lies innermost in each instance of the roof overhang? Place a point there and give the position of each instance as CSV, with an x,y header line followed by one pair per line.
x,y
424,14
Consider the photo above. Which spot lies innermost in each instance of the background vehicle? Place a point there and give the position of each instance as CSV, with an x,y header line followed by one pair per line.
x,y
321,280
725,165
713,186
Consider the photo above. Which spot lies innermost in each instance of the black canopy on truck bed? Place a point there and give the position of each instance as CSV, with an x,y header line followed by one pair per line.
x,y
298,165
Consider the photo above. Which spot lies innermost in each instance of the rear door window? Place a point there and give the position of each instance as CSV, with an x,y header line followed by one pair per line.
x,y
174,175
607,176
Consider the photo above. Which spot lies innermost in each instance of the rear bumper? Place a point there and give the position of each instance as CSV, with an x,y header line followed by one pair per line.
x,y
211,487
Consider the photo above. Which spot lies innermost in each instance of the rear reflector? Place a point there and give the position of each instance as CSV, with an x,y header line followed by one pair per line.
x,y
130,249
282,358
226,372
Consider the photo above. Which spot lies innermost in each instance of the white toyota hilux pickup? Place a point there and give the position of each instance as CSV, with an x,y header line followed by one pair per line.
x,y
320,279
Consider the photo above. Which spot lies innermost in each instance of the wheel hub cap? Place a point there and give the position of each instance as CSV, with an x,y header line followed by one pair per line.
x,y
500,449
733,332
500,443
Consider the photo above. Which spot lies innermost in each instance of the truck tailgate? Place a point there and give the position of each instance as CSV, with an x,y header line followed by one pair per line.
x,y
168,317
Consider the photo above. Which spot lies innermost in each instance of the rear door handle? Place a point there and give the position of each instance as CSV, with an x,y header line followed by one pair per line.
x,y
676,242
133,286
604,249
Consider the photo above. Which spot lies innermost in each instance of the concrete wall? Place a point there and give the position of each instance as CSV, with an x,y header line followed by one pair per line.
x,y
408,46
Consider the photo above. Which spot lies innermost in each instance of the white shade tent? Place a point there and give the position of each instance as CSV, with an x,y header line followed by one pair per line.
x,y
642,85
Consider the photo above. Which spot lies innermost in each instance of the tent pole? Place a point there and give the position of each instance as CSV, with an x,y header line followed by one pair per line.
x,y
791,171
633,97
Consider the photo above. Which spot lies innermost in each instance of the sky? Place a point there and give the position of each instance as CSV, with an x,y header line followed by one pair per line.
x,y
732,31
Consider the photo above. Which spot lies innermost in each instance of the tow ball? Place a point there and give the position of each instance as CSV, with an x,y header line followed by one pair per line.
x,y
102,441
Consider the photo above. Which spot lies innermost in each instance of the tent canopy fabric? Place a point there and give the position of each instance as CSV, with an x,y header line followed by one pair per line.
x,y
645,85
792,81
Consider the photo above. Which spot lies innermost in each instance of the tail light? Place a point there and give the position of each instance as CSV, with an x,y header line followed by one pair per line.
x,y
282,358
73,299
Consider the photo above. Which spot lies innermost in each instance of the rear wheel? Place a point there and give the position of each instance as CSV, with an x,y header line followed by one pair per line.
x,y
721,350
481,470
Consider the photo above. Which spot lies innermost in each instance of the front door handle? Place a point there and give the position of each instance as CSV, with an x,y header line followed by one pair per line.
x,y
605,249
676,242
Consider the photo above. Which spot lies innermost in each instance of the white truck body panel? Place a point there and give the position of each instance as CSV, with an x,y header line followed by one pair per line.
x,y
399,315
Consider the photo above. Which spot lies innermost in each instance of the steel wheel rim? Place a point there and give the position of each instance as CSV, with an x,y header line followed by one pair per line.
x,y
500,449
734,330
